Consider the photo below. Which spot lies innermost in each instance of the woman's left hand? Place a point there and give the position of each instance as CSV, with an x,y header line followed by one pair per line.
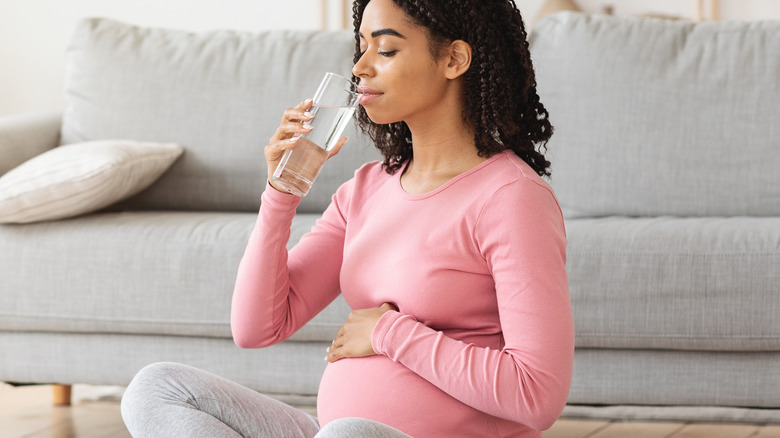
x,y
354,337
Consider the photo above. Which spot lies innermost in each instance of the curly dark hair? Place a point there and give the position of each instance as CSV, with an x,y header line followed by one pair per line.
x,y
500,95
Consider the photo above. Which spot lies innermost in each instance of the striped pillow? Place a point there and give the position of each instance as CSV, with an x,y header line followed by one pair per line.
x,y
81,178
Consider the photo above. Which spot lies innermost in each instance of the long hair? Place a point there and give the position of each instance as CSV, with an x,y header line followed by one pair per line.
x,y
500,96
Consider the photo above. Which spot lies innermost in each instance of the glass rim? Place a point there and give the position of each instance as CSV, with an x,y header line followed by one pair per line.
x,y
348,81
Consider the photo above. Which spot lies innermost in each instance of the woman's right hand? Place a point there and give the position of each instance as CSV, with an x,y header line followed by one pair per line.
x,y
293,125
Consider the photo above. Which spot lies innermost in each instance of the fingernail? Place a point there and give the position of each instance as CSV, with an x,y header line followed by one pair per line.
x,y
307,101
292,140
308,114
309,127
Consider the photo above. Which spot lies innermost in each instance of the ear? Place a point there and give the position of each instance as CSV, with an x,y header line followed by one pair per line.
x,y
459,53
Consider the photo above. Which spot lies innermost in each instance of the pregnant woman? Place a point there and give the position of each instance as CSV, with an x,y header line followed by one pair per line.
x,y
451,252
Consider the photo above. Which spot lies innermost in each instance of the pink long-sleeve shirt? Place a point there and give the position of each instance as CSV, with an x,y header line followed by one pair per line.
x,y
482,343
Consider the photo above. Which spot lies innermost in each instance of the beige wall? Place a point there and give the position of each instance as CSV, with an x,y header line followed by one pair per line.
x,y
33,33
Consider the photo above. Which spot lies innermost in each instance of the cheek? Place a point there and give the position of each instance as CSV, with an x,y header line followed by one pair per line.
x,y
409,87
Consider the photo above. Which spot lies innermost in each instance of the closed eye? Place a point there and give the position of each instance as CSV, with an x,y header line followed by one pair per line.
x,y
387,54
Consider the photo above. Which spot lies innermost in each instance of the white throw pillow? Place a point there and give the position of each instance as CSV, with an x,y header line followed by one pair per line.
x,y
81,178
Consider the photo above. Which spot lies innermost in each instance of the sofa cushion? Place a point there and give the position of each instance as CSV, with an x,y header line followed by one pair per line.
x,y
220,94
81,178
656,117
157,273
671,283
24,136
678,379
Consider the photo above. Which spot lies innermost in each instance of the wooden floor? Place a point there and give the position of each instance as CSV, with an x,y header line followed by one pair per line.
x,y
27,412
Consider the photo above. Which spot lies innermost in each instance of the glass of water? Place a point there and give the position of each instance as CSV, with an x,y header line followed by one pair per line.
x,y
332,105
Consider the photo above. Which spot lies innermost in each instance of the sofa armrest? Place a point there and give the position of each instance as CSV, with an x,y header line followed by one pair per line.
x,y
25,136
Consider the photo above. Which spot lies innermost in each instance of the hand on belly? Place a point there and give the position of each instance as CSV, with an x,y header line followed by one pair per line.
x,y
354,337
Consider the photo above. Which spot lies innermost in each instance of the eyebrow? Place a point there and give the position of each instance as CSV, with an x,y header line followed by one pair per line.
x,y
381,32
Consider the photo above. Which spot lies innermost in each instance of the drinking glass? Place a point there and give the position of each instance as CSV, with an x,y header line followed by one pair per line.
x,y
332,105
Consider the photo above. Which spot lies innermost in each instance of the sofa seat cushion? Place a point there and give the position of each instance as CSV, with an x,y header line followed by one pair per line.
x,y
161,273
675,283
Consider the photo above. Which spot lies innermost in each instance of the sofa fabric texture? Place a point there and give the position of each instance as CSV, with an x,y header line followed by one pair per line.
x,y
676,283
654,117
664,158
25,136
219,94
136,273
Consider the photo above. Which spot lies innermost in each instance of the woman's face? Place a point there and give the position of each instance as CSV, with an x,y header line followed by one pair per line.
x,y
400,78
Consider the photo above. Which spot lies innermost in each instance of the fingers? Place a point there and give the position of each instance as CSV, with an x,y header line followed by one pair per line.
x,y
294,122
290,129
306,104
332,355
299,113
335,352
339,348
274,151
292,126
354,337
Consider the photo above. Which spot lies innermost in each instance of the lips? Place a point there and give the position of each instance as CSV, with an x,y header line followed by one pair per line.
x,y
368,94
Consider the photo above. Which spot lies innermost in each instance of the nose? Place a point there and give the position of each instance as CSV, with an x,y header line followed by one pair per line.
x,y
362,68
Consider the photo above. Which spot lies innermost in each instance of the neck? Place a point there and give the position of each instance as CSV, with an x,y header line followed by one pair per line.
x,y
442,143
442,149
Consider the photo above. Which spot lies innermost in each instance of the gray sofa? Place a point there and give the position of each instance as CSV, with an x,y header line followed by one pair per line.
x,y
665,160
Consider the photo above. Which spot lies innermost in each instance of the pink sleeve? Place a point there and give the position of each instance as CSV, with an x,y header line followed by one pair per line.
x,y
521,235
276,294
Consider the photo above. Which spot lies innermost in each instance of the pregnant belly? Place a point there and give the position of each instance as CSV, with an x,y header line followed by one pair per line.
x,y
379,389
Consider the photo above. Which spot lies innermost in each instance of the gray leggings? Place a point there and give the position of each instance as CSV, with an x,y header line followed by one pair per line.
x,y
173,400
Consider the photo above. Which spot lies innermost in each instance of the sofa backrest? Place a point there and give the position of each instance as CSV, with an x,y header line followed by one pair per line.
x,y
654,117
219,94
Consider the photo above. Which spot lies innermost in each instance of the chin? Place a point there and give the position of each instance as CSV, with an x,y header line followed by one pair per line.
x,y
379,118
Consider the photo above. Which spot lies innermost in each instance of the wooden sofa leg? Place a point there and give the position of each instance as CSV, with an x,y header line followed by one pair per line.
x,y
61,395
